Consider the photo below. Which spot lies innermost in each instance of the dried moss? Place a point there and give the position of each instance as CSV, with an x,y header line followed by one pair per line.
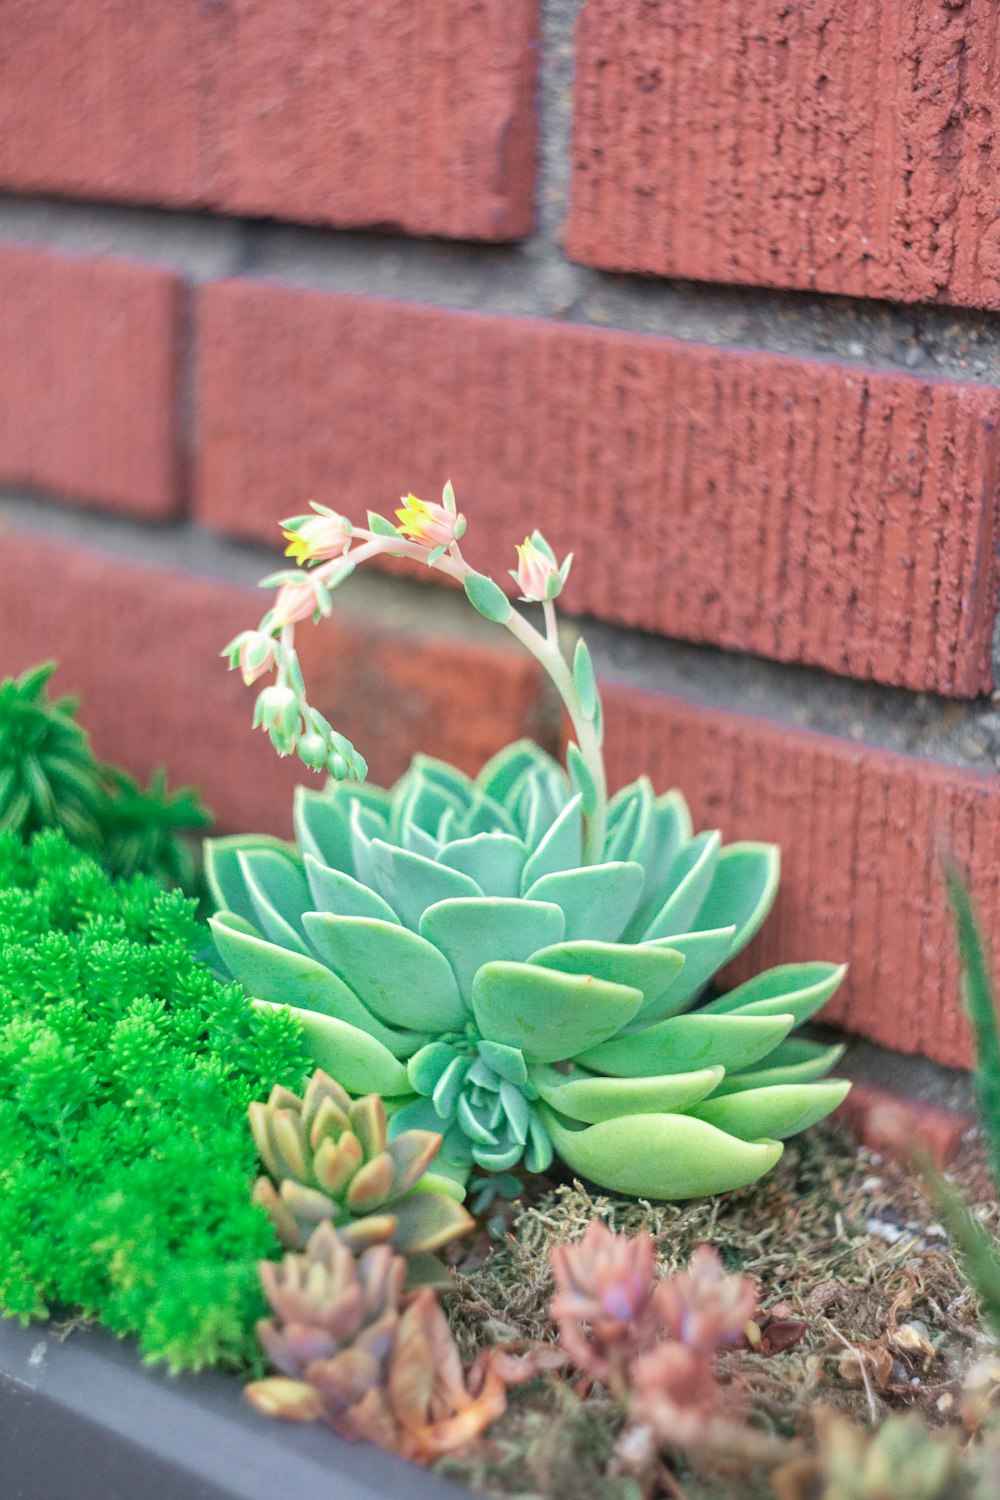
x,y
845,1238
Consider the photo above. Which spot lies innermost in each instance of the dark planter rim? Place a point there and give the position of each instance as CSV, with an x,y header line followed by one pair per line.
x,y
81,1418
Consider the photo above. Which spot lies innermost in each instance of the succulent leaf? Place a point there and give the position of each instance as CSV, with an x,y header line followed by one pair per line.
x,y
592,1097
495,861
660,1155
685,1042
688,881
465,930
597,900
794,1061
798,990
778,1110
650,969
339,894
743,889
287,977
362,1064
546,1014
395,973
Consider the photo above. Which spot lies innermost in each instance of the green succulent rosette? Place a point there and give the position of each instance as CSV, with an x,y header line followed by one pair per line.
x,y
443,946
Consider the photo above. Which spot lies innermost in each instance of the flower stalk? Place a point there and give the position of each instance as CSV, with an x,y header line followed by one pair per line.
x,y
329,549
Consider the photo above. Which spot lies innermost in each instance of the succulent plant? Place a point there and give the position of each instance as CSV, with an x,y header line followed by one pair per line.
x,y
351,1352
514,960
443,946
51,778
902,1459
330,1158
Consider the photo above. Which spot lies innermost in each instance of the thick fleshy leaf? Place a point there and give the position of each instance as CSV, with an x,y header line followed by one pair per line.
x,y
660,1155
426,1066
500,774
543,796
592,1098
359,1063
670,829
538,1152
742,892
365,825
486,816
682,1043
506,1062
284,977
630,822
223,874
323,827
415,1114
499,1158
597,900
420,798
686,886
411,883
336,892
799,990
779,1111
419,842
650,969
703,953
493,860
469,933
396,974
279,892
425,1221
794,1061
561,848
548,1015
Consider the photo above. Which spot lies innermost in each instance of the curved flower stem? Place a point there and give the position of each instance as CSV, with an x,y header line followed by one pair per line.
x,y
544,648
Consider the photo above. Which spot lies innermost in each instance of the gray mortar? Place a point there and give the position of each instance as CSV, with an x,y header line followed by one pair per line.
x,y
532,278
957,733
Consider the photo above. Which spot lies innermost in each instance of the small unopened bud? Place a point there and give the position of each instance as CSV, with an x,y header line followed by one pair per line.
x,y
538,575
313,750
277,711
338,767
256,655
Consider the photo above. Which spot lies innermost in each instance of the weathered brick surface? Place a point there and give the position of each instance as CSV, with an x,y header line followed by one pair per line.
x,y
88,379
142,648
413,113
846,145
885,1121
810,512
861,831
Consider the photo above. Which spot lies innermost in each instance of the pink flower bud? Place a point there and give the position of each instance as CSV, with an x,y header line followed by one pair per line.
x,y
428,523
299,601
317,538
537,574
256,656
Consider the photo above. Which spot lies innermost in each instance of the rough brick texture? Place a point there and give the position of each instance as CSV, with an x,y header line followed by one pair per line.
x,y
142,648
805,511
889,1122
88,380
413,113
861,831
846,145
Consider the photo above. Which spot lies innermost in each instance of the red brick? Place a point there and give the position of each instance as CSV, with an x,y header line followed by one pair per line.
x,y
810,512
844,145
141,646
861,831
88,380
415,114
889,1122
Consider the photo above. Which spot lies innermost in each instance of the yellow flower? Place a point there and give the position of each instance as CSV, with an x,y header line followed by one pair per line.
x,y
428,523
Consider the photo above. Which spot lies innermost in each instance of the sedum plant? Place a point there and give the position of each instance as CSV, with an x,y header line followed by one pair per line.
x,y
352,1353
51,778
515,960
329,1158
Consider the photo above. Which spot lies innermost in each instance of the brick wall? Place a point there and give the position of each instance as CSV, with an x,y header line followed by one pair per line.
x,y
704,291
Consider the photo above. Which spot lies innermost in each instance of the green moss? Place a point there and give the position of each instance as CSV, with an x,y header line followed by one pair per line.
x,y
125,1074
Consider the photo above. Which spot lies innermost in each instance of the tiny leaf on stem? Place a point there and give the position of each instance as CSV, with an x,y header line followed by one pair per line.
x,y
488,597
582,780
583,677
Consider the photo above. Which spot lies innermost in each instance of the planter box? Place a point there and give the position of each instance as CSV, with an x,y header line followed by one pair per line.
x,y
82,1419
